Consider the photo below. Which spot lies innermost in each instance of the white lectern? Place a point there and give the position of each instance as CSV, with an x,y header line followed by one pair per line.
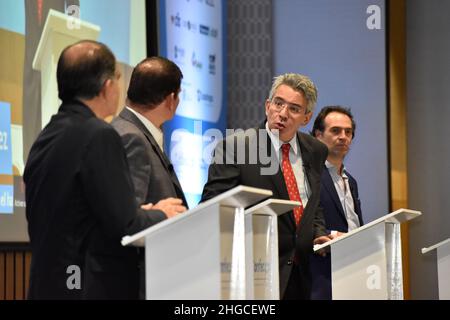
x,y
200,254
366,263
261,228
443,266
60,30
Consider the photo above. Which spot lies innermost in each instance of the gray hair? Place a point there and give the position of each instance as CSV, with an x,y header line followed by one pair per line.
x,y
299,83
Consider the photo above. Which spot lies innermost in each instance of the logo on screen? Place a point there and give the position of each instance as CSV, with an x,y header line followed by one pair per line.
x,y
207,31
210,3
201,96
204,30
212,64
189,25
176,20
178,53
195,61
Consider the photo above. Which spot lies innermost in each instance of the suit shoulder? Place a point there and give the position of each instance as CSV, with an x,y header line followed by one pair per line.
x,y
350,177
124,127
313,142
99,130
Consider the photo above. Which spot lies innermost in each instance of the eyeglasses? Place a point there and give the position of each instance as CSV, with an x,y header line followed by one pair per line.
x,y
279,105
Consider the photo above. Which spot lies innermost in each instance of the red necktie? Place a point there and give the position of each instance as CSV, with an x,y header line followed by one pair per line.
x,y
291,182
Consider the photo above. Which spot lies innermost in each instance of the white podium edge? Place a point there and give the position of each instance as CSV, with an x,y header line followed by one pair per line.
x,y
266,205
437,245
126,240
387,218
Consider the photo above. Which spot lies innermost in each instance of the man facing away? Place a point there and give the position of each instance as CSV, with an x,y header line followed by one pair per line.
x,y
339,198
79,194
298,161
152,99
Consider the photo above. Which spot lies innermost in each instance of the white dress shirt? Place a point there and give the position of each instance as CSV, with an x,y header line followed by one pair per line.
x,y
345,196
296,163
154,131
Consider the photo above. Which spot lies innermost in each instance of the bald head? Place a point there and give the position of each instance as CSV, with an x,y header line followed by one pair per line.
x,y
83,68
152,80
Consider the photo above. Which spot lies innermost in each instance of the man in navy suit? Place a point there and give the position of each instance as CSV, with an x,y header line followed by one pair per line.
x,y
335,127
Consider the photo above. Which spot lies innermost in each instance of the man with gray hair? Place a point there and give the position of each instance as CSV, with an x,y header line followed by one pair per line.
x,y
301,158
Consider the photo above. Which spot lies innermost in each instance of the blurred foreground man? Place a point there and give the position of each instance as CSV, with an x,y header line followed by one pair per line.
x,y
79,194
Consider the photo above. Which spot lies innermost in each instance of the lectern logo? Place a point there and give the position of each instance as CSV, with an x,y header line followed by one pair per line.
x,y
74,280
374,279
74,21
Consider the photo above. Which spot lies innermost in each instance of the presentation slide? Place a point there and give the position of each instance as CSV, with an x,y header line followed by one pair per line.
x,y
193,36
28,98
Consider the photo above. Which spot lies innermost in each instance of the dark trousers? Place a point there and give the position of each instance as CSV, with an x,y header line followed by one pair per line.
x,y
298,287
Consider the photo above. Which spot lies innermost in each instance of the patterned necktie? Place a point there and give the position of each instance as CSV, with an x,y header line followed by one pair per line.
x,y
291,182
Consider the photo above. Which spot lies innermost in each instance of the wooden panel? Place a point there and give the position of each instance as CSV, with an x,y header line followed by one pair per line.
x,y
27,271
19,269
398,123
9,276
2,276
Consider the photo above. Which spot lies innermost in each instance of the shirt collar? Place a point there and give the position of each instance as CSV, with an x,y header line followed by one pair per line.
x,y
333,169
277,143
154,131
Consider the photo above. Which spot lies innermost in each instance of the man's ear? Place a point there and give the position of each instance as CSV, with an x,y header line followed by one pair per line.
x,y
168,101
318,134
106,87
308,117
267,107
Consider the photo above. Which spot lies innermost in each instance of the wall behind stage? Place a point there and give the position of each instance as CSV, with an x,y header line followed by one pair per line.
x,y
330,41
428,115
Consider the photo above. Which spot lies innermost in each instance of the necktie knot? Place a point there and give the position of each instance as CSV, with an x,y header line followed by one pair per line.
x,y
285,149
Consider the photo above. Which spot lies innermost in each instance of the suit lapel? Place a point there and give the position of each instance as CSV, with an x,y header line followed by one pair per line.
x,y
354,192
129,116
328,184
312,175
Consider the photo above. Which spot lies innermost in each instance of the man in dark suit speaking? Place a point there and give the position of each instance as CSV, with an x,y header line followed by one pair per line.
x,y
293,170
339,198
152,99
79,194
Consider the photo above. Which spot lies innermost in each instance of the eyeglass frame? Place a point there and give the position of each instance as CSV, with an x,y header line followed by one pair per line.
x,y
292,107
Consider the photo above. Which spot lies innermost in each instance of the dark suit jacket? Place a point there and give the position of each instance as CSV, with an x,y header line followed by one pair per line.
x,y
152,173
291,240
334,220
80,203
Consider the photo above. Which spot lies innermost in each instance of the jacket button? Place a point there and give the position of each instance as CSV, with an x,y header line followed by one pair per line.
x,y
289,262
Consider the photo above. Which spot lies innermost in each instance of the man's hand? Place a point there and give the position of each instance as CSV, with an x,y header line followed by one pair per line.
x,y
320,240
170,206
335,234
